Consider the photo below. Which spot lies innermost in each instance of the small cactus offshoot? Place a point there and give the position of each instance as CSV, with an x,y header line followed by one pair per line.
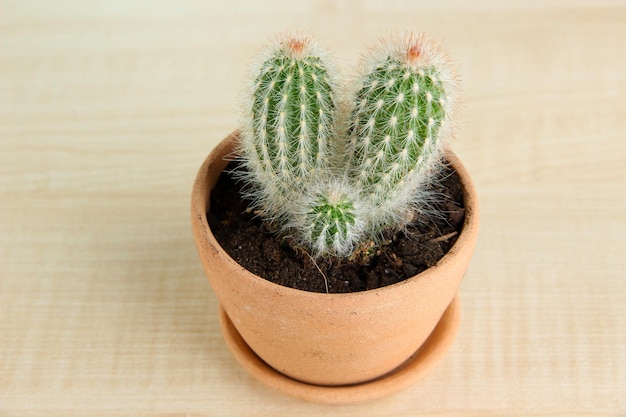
x,y
331,219
333,187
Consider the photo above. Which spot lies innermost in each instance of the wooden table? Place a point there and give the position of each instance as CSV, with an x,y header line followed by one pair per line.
x,y
108,108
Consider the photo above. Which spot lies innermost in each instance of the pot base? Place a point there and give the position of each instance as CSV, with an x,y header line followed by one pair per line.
x,y
402,377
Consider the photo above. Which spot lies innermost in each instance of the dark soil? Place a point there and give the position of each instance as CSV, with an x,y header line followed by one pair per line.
x,y
251,243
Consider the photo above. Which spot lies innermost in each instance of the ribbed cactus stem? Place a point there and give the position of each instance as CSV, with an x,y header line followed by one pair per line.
x,y
401,109
290,113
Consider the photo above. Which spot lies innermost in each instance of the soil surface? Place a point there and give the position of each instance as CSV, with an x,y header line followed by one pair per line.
x,y
252,243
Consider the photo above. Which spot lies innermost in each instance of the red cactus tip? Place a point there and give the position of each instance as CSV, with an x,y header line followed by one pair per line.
x,y
413,54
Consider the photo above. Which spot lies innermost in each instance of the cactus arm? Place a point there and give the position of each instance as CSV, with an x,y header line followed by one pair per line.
x,y
290,116
400,121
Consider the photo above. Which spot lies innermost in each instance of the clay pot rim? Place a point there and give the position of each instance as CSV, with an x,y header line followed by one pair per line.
x,y
200,204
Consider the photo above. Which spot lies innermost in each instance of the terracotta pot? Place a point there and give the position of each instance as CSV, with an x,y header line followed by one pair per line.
x,y
329,339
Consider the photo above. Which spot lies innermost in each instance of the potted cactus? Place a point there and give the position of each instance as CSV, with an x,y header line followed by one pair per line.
x,y
333,167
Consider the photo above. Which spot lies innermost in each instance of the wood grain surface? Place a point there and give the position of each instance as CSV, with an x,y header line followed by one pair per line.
x,y
108,108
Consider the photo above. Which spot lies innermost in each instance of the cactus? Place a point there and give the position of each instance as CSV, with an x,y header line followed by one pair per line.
x,y
403,107
333,188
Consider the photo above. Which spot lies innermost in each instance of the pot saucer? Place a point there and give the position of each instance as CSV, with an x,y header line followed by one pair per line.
x,y
402,377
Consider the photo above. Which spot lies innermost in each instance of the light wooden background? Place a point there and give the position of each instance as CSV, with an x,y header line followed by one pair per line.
x,y
107,108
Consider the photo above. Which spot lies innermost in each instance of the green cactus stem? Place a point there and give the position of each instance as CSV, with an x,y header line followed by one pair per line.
x,y
403,109
291,114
